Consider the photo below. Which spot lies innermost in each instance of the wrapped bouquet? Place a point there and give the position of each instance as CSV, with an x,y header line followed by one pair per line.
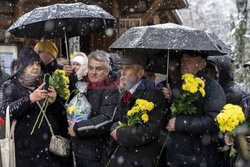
x,y
79,108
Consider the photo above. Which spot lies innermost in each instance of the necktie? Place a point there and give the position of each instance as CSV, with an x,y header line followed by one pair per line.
x,y
126,97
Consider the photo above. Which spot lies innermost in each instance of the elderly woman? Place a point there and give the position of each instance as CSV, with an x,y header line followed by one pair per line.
x,y
21,93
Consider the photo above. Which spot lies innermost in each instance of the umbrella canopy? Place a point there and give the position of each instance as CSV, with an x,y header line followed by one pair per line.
x,y
168,36
58,20
225,48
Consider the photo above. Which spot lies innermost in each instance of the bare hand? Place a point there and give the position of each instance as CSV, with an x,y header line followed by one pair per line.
x,y
52,94
68,69
228,141
167,92
171,125
38,94
71,128
113,133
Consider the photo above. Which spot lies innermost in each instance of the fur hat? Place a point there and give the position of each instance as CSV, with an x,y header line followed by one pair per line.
x,y
49,46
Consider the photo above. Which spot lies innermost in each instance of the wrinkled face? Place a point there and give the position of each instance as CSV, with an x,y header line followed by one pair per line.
x,y
130,75
97,70
45,56
34,69
76,66
191,64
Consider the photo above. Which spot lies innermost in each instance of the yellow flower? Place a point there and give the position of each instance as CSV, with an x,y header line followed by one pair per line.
x,y
70,109
144,117
187,76
144,105
200,82
230,117
136,109
129,113
66,79
202,92
72,54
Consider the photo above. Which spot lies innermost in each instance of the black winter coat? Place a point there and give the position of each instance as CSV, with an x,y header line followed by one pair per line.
x,y
93,134
139,145
194,140
31,150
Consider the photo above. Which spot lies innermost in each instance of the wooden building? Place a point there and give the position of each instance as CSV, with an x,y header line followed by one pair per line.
x,y
129,13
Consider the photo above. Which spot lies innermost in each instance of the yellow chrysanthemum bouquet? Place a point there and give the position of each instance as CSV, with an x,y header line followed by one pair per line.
x,y
138,114
192,89
60,82
228,119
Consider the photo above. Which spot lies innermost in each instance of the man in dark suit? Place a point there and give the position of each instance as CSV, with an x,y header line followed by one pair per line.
x,y
138,144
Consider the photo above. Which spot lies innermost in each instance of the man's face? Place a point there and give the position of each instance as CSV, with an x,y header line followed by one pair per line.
x,y
45,56
97,70
34,69
131,75
190,64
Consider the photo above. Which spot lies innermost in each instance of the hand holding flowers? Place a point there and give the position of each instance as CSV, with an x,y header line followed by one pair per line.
x,y
58,85
228,119
192,89
136,115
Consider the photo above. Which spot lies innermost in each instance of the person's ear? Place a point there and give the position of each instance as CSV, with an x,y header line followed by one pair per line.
x,y
202,65
141,73
109,69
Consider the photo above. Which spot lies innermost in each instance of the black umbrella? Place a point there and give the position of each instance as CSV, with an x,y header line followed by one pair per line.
x,y
225,48
62,20
169,37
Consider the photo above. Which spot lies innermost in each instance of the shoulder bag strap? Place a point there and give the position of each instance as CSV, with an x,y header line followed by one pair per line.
x,y
50,127
7,123
9,133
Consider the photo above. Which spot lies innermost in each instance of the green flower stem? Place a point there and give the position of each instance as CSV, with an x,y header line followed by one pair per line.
x,y
231,161
37,119
162,148
112,156
46,105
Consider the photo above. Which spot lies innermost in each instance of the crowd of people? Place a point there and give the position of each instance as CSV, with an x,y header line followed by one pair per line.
x,y
105,137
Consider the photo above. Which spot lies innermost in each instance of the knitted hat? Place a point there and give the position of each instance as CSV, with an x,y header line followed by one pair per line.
x,y
49,46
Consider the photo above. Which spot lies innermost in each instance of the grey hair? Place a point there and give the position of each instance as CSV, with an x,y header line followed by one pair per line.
x,y
100,55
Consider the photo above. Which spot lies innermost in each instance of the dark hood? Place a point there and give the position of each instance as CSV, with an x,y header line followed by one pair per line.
x,y
223,66
26,57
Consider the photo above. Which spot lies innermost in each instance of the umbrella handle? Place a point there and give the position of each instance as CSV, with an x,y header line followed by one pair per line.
x,y
66,45
167,68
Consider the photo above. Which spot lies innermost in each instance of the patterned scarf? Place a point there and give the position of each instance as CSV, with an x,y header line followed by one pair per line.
x,y
29,81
